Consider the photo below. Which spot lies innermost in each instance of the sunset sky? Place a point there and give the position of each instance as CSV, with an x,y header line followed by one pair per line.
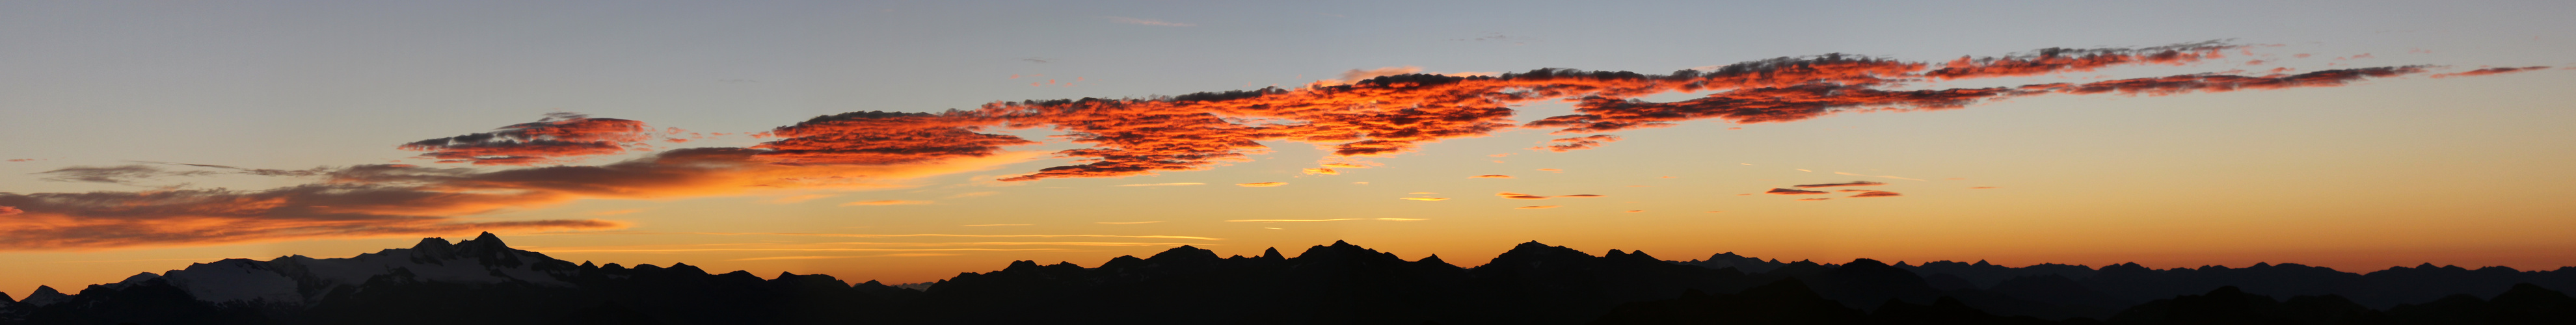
x,y
144,136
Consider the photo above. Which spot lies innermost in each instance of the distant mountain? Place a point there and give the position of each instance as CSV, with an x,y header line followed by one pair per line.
x,y
483,281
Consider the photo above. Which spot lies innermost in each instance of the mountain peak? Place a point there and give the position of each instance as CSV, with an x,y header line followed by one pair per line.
x,y
45,295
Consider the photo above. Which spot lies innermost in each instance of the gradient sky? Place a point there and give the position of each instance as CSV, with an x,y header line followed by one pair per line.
x,y
2424,164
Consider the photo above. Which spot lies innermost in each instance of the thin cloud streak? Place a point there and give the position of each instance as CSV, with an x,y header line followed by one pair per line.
x,y
1322,220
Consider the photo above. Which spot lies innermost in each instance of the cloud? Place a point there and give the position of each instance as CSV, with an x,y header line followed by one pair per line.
x,y
1148,22
1323,220
1490,176
885,202
405,200
1877,194
22,160
1577,143
1878,176
1581,195
2489,71
972,194
1322,171
1853,183
558,138
1261,184
1536,207
1510,195
1166,184
2061,60
1426,198
801,198
614,212
127,174
1126,223
1783,191
10,211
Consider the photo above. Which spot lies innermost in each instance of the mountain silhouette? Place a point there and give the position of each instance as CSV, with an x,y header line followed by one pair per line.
x,y
484,281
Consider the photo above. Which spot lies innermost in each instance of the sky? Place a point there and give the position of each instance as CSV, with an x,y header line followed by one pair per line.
x,y
909,141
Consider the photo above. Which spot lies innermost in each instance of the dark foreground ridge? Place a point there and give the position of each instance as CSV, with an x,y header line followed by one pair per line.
x,y
483,281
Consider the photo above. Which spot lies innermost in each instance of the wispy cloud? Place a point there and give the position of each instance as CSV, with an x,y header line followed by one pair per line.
x,y
1261,184
1166,184
1322,220
1148,22
885,202
801,198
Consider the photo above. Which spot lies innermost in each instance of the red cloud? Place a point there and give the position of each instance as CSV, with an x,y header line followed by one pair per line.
x,y
554,139
1853,183
1490,176
10,211
1877,194
1783,191
2488,71
1388,114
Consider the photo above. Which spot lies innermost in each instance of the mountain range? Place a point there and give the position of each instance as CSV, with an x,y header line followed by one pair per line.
x,y
484,281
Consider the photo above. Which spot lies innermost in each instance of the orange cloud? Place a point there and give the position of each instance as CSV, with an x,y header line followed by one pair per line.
x,y
1853,183
1783,191
1815,199
1261,184
1581,195
1322,171
885,202
1490,176
558,138
1536,207
801,198
1323,220
2488,71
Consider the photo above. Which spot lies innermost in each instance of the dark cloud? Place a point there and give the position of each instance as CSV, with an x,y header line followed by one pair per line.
x,y
127,174
1852,183
388,200
558,138
1783,191
1577,143
2489,71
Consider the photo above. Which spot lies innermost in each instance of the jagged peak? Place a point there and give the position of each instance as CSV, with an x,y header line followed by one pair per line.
x,y
44,290
783,275
1434,258
1271,253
